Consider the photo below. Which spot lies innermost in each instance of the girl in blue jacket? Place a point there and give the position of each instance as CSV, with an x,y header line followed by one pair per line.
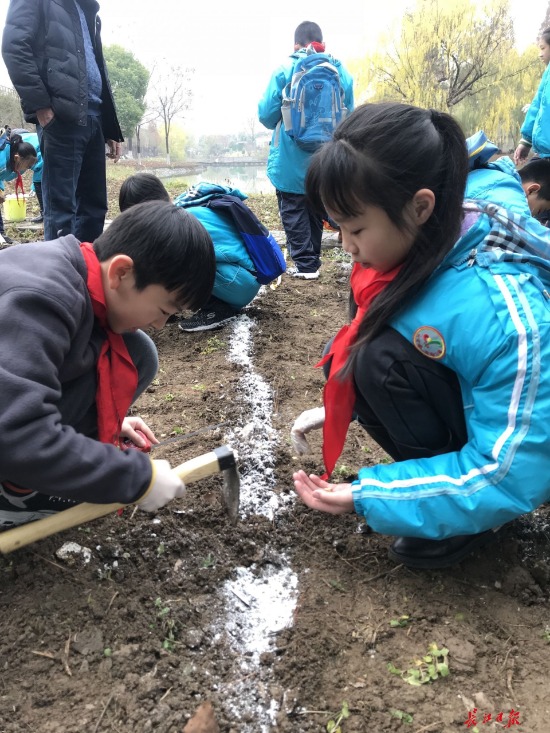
x,y
535,131
447,363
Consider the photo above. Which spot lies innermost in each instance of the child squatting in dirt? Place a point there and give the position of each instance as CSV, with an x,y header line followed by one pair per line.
x,y
74,359
446,362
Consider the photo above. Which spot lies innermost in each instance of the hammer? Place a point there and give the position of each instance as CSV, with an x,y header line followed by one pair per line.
x,y
221,459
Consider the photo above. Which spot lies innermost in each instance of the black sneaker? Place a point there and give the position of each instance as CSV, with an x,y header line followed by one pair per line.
x,y
37,219
209,318
4,238
19,506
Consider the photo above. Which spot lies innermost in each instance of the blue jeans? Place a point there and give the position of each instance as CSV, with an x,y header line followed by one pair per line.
x,y
303,229
74,186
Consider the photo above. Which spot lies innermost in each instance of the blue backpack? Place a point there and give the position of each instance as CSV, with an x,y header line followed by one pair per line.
x,y
265,253
313,102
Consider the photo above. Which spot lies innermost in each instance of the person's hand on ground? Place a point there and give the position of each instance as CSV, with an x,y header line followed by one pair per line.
x,y
306,422
115,150
129,427
165,486
319,494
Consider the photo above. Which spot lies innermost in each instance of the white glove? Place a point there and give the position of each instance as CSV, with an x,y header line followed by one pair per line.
x,y
304,423
165,486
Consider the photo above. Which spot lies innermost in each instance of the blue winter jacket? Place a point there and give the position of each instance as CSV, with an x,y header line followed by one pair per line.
x,y
485,314
235,282
287,163
499,183
536,126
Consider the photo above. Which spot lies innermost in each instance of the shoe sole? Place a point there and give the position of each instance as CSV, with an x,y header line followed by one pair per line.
x,y
13,519
419,563
306,276
208,327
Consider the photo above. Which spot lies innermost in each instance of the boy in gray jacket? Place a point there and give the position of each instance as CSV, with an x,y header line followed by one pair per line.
x,y
74,359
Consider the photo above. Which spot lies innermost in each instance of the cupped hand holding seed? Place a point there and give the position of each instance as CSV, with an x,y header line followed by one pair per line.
x,y
319,494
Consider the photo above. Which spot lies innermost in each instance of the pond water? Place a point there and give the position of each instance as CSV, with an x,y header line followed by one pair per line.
x,y
247,178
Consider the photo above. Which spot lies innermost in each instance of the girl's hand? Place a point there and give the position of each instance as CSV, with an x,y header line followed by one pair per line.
x,y
129,427
318,494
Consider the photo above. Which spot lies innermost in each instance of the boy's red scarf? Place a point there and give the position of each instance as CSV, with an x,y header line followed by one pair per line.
x,y
117,375
339,395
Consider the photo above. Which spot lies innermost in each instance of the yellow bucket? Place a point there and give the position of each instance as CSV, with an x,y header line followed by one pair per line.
x,y
15,209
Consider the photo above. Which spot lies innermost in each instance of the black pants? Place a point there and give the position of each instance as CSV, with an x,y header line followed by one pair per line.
x,y
409,404
303,229
74,186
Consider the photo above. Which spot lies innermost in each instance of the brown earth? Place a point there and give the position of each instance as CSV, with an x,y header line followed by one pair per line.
x,y
163,617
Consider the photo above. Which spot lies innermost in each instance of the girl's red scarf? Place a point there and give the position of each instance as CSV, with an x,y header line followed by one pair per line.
x,y
117,375
339,395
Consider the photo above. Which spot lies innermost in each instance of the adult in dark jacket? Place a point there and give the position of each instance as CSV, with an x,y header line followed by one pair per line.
x,y
52,50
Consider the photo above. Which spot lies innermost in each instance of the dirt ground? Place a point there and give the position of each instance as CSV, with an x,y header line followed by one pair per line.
x,y
134,636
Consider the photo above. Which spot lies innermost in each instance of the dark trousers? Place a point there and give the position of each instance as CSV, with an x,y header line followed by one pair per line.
x,y
74,186
409,404
303,230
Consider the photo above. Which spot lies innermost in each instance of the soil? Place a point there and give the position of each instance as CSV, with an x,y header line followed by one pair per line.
x,y
288,620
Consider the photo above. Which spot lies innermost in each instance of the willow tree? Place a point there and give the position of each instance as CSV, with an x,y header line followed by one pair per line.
x,y
444,52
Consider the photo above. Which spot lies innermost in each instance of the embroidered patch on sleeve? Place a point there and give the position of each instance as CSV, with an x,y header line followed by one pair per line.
x,y
429,342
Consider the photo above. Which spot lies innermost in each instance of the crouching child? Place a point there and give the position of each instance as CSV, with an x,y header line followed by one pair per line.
x,y
74,358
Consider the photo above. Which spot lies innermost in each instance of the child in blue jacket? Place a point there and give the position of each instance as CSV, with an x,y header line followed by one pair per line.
x,y
235,284
18,156
535,131
447,362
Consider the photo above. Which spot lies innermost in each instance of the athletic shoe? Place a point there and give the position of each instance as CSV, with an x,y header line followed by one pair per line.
x,y
37,219
295,272
21,506
7,240
208,319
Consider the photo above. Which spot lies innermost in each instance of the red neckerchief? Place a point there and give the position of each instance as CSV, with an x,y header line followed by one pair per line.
x,y
117,375
18,185
339,395
319,47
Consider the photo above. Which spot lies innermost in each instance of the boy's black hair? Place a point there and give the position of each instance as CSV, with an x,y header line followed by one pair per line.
x,y
308,32
381,155
23,149
537,171
545,36
139,188
168,246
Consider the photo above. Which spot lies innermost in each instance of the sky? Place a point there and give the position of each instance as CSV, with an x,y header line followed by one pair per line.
x,y
235,46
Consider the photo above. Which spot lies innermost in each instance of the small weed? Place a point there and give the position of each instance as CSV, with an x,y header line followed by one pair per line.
x,y
168,625
213,344
161,549
169,397
337,586
199,387
401,715
432,666
341,471
400,622
177,431
107,652
546,634
208,561
334,726
155,382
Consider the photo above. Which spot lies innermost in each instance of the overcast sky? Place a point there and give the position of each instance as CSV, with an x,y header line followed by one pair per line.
x,y
234,46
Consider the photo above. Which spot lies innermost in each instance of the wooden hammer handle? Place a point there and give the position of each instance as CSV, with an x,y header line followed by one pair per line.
x,y
200,467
